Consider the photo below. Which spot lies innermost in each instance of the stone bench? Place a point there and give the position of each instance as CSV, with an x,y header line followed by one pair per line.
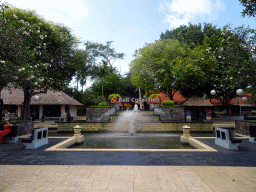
x,y
38,138
252,134
224,138
11,136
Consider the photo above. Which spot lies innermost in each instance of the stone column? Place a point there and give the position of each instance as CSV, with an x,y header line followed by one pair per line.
x,y
40,111
19,110
62,110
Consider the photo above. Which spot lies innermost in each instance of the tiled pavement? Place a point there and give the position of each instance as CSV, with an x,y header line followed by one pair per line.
x,y
36,170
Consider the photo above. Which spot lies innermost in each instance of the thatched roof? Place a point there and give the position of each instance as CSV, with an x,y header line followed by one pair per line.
x,y
50,98
196,101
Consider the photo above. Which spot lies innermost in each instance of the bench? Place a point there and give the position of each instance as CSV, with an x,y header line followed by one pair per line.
x,y
11,136
224,138
38,138
252,134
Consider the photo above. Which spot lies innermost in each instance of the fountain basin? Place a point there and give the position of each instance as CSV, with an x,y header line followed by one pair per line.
x,y
197,146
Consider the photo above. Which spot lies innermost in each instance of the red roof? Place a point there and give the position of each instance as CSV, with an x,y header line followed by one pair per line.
x,y
233,101
177,97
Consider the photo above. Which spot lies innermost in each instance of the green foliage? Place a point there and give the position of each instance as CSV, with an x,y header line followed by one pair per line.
x,y
102,104
250,8
169,104
114,95
129,90
224,60
111,84
154,96
154,64
235,62
33,52
193,35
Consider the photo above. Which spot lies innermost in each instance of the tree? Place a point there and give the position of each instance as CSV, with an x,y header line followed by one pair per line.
x,y
250,7
194,72
227,58
154,64
235,62
98,51
83,68
109,54
129,89
193,35
112,84
41,50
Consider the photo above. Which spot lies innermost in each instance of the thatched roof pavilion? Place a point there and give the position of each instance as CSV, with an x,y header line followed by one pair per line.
x,y
196,101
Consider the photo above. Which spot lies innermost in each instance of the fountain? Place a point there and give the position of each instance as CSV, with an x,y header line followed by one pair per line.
x,y
135,107
132,130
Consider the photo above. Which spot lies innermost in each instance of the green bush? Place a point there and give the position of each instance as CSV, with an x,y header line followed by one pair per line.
x,y
103,104
169,104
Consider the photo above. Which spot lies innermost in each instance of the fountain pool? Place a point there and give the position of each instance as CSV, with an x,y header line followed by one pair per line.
x,y
131,140
137,141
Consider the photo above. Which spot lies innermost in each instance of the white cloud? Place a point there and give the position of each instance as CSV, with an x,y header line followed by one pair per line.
x,y
181,12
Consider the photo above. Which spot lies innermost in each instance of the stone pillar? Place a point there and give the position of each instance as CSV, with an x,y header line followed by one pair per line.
x,y
19,110
73,111
62,110
40,111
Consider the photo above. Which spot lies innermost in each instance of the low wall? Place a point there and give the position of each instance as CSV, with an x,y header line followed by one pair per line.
x,y
98,114
242,127
116,105
141,127
153,105
170,113
25,127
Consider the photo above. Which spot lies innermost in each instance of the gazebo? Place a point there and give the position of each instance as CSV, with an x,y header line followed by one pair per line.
x,y
53,103
197,107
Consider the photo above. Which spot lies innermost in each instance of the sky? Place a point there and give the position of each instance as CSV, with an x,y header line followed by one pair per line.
x,y
132,23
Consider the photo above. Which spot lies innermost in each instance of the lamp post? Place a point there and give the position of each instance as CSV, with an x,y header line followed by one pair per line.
x,y
239,92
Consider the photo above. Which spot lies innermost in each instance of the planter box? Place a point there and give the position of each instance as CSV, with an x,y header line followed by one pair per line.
x,y
153,105
242,127
116,105
99,114
170,113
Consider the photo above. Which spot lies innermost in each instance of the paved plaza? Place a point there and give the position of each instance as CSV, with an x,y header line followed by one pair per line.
x,y
38,170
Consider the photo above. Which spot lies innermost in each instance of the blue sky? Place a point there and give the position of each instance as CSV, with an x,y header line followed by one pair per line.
x,y
132,23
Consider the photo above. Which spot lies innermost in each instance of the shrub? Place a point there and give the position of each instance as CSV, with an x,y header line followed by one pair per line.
x,y
169,104
103,104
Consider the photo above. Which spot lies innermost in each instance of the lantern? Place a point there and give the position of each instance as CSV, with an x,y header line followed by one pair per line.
x,y
36,98
239,92
244,99
213,92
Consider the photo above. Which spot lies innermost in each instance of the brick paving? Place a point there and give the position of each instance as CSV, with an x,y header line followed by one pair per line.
x,y
37,170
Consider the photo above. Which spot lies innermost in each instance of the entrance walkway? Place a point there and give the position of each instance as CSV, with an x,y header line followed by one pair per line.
x,y
126,178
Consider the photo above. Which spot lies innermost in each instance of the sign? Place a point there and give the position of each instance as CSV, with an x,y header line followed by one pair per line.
x,y
127,100
208,117
113,99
